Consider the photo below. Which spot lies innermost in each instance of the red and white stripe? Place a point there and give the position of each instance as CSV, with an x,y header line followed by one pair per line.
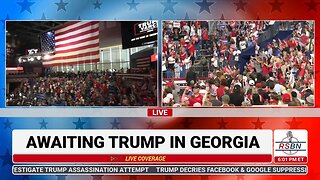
x,y
143,62
75,43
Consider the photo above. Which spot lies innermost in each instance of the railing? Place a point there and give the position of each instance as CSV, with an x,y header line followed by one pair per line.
x,y
198,69
15,76
134,76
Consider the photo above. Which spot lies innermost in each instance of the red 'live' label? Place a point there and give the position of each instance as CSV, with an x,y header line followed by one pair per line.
x,y
159,112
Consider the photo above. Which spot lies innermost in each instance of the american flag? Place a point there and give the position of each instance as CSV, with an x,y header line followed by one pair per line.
x,y
47,41
143,62
74,43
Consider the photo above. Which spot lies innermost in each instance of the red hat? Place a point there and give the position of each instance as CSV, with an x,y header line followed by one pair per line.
x,y
286,98
258,85
273,101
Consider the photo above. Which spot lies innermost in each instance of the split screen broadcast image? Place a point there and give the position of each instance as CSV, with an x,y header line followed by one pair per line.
x,y
202,63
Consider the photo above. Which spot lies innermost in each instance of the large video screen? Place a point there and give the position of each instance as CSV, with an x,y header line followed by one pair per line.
x,y
136,34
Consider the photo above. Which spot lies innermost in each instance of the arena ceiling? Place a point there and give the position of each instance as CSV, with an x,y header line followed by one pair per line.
x,y
30,30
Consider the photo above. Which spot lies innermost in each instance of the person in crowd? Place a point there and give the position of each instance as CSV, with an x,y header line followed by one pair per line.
x,y
191,77
225,100
196,97
295,99
236,97
215,102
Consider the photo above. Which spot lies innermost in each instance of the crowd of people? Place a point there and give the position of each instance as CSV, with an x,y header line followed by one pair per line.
x,y
208,56
102,88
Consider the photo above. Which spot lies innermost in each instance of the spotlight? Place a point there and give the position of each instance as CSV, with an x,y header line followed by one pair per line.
x,y
46,56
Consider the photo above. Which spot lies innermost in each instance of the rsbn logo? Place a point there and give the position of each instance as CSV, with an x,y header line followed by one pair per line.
x,y
290,145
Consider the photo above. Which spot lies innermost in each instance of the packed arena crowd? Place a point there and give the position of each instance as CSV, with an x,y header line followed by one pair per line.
x,y
207,64
102,88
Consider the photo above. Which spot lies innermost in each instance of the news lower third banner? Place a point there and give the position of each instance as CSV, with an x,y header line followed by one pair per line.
x,y
165,146
157,151
142,146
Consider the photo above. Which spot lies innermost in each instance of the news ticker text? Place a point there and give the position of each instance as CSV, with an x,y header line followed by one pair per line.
x,y
155,170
